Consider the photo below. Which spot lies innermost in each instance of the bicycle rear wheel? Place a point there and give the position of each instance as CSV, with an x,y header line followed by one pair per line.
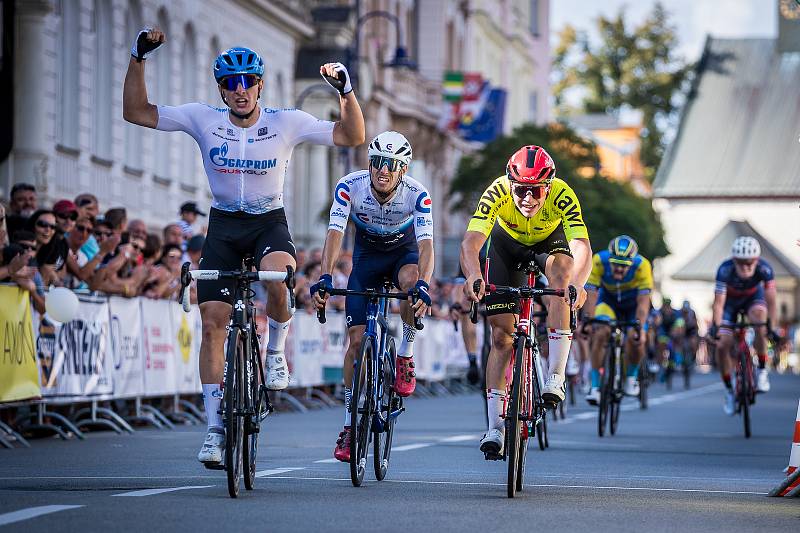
x,y
389,402
253,420
361,411
513,420
234,404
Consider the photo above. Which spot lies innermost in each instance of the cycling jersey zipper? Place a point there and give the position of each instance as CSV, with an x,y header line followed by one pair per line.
x,y
242,145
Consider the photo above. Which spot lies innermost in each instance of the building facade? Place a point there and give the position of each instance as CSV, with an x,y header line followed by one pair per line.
x,y
70,62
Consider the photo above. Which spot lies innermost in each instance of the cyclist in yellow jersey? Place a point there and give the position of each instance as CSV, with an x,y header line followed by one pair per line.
x,y
619,288
527,214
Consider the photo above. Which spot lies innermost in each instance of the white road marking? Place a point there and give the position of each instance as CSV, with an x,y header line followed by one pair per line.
x,y
411,446
263,473
540,485
152,492
33,512
328,461
460,438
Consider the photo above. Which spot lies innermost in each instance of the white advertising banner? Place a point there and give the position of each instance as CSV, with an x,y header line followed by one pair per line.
x,y
75,357
160,347
317,350
186,357
125,328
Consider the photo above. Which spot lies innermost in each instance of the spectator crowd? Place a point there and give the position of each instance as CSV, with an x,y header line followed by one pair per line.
x,y
75,244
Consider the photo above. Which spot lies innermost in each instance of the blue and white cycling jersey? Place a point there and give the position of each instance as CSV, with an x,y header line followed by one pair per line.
x,y
383,226
246,167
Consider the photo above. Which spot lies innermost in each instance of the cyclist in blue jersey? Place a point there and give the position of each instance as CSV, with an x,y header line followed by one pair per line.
x,y
246,150
394,238
745,283
618,288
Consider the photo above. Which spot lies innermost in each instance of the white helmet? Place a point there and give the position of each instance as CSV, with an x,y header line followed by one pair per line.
x,y
745,248
391,144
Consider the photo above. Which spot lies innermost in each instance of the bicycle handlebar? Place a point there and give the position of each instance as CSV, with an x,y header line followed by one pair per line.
x,y
187,276
620,324
414,296
526,292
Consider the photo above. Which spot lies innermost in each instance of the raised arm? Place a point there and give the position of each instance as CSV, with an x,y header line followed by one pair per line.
x,y
135,106
349,130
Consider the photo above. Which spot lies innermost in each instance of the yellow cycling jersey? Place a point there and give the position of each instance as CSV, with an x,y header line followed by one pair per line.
x,y
560,207
637,280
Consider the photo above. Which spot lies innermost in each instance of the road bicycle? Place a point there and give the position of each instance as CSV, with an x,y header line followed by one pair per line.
x,y
525,411
374,406
245,401
612,377
745,371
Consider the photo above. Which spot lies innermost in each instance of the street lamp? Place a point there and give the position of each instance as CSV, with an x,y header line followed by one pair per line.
x,y
400,58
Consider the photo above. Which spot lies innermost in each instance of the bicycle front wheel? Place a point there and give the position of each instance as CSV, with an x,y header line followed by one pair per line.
x,y
389,403
234,404
745,388
252,423
361,411
606,393
513,419
644,383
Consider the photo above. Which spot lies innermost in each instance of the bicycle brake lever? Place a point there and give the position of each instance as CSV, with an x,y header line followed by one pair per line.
x,y
418,325
289,281
321,315
473,306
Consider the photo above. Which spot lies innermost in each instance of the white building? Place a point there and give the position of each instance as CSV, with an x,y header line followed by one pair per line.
x,y
70,61
735,158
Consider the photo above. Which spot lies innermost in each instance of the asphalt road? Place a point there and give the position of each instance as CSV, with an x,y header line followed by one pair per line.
x,y
682,465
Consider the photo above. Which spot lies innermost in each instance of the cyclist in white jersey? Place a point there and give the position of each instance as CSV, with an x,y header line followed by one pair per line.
x,y
394,238
246,150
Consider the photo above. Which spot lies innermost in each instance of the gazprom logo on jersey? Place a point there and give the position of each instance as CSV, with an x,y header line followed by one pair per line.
x,y
424,203
219,157
341,194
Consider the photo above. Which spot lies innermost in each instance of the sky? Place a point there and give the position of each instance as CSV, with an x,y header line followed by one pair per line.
x,y
694,19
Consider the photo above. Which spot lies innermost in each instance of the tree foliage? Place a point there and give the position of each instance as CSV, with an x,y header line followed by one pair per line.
x,y
635,68
609,208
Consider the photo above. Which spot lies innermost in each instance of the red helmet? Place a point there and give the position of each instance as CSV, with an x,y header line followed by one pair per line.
x,y
532,165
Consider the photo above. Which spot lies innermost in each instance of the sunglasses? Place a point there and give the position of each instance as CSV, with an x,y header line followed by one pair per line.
x,y
27,247
537,191
745,262
45,225
85,201
136,247
64,216
103,234
378,161
232,82
174,256
83,229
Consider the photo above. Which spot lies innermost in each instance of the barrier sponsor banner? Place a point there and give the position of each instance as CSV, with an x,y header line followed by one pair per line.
x,y
76,356
317,350
19,373
125,329
430,347
160,348
183,337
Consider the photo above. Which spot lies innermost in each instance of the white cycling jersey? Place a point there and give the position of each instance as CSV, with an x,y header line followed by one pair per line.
x,y
406,215
246,167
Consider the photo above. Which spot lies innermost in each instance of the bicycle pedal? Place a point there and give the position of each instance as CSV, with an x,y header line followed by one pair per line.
x,y
214,466
493,456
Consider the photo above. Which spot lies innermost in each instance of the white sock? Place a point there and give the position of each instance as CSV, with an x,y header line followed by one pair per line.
x,y
559,341
495,402
278,331
406,348
348,398
212,397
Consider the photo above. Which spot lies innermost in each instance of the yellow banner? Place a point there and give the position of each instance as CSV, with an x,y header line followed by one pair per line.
x,y
19,373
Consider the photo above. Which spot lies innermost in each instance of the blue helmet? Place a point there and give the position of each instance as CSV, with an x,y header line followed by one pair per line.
x,y
238,60
623,250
